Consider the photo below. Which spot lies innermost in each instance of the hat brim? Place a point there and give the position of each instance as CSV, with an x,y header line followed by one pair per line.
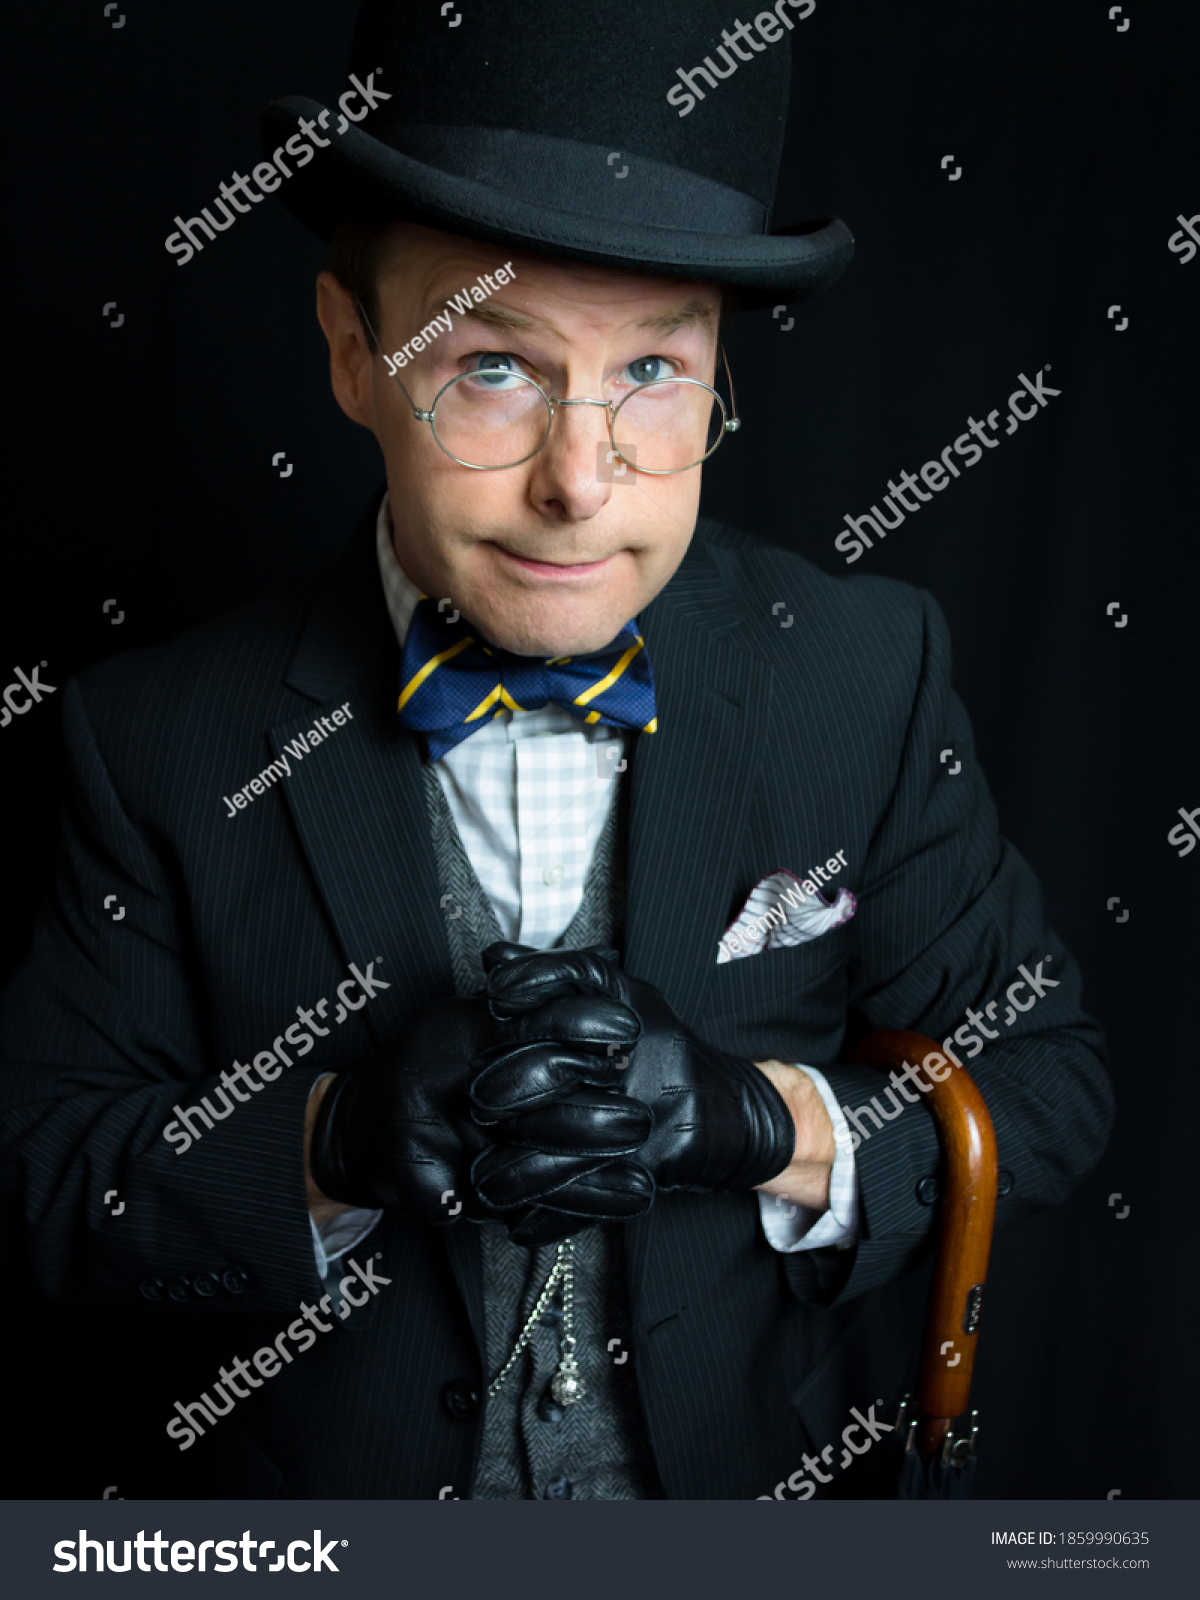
x,y
357,171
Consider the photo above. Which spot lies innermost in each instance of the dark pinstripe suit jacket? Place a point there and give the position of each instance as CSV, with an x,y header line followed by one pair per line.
x,y
777,747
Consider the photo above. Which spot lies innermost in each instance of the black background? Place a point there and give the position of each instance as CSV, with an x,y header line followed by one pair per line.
x,y
142,473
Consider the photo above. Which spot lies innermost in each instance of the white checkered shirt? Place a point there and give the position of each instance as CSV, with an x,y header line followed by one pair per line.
x,y
529,792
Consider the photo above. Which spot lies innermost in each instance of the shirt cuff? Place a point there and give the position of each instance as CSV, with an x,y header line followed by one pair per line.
x,y
341,1233
790,1227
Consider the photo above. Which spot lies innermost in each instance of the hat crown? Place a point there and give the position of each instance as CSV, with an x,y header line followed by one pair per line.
x,y
598,75
546,126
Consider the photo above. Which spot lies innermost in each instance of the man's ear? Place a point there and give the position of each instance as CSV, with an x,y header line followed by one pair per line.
x,y
351,369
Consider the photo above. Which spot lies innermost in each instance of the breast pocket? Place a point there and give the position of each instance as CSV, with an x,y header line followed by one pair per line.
x,y
785,1002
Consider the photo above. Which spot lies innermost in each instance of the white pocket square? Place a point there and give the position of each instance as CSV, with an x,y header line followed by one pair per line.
x,y
781,912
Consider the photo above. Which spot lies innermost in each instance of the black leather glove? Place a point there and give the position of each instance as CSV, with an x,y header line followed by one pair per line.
x,y
563,1054
398,1131
719,1122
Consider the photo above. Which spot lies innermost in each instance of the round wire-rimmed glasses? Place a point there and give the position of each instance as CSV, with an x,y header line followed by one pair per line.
x,y
497,411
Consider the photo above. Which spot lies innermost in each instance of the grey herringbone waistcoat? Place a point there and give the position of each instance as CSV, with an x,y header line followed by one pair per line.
x,y
532,1448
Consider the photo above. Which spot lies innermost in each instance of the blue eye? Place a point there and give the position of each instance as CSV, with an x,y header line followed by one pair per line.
x,y
646,369
493,367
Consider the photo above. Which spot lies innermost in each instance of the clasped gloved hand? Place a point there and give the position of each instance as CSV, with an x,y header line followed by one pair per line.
x,y
399,1131
719,1123
558,1157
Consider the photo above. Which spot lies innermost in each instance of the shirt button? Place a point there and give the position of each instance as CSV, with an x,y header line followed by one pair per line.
x,y
558,1489
553,875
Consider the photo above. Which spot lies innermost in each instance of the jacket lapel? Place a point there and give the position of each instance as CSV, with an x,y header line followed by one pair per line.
x,y
357,798
689,788
358,803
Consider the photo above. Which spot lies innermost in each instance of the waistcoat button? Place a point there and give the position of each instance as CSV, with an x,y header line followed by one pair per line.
x,y
549,1410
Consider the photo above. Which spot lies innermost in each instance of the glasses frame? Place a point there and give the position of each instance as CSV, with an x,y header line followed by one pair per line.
x,y
729,424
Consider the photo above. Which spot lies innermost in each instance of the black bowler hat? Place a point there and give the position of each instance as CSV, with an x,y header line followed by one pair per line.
x,y
546,124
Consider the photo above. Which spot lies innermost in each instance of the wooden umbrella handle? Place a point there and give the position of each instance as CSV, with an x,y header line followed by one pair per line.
x,y
968,1211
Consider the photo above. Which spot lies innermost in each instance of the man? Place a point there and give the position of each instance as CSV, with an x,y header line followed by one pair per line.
x,y
565,1203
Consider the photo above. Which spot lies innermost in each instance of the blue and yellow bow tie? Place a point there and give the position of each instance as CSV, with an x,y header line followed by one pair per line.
x,y
451,683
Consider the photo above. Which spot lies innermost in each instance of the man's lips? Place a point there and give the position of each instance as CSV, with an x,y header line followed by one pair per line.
x,y
553,569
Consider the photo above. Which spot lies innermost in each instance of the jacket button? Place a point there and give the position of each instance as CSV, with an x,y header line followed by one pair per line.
x,y
152,1288
1004,1181
928,1190
179,1289
549,1410
461,1399
206,1284
235,1280
558,1489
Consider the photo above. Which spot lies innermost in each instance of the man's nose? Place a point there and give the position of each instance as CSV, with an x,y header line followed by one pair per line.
x,y
568,470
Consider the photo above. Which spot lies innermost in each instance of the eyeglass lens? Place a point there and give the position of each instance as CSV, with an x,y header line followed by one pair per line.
x,y
496,419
